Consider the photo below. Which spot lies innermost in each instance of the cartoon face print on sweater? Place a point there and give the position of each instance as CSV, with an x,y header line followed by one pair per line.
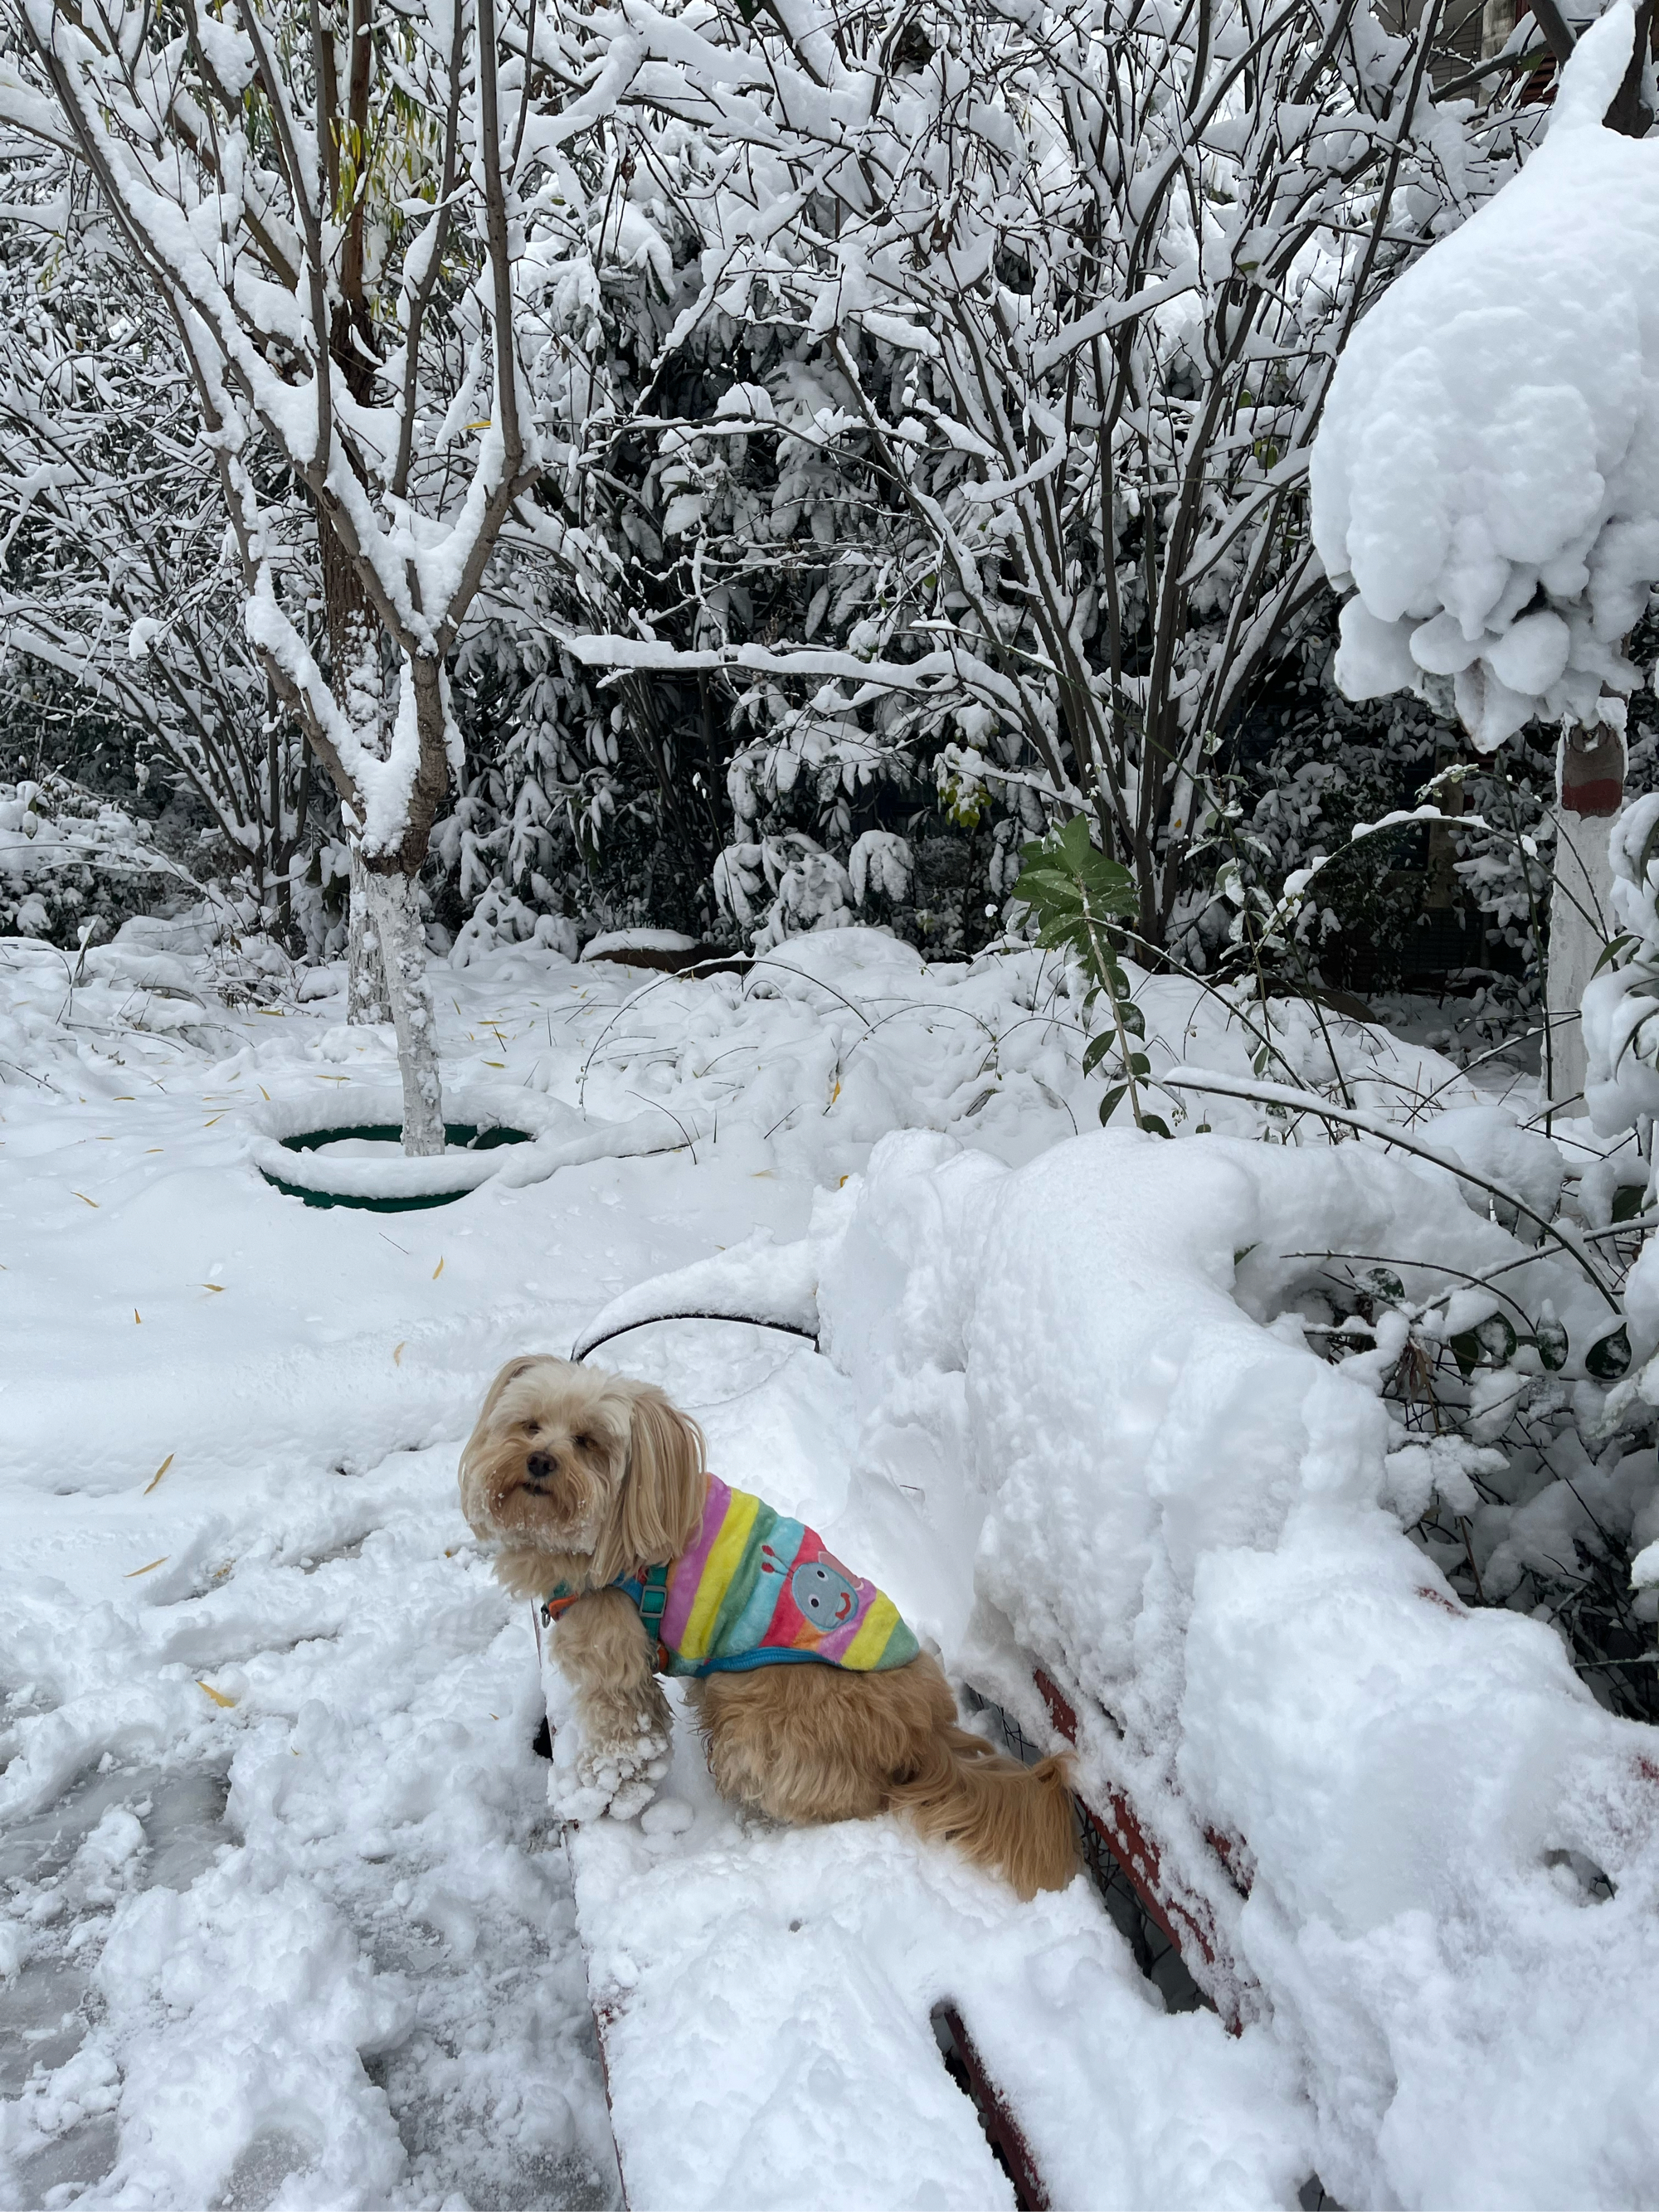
x,y
825,1595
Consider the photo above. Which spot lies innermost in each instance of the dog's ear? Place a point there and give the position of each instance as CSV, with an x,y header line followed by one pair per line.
x,y
510,1373
663,1492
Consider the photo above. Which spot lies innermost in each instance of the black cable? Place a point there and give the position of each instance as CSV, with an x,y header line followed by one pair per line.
x,y
581,1349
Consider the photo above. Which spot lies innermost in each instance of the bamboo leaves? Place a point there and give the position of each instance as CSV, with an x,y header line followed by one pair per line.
x,y
1076,895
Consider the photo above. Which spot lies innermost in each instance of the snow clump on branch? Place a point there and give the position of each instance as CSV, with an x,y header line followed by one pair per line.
x,y
1487,471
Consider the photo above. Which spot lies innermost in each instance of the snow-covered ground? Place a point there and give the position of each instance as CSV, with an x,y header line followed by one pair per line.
x,y
286,1914
287,1921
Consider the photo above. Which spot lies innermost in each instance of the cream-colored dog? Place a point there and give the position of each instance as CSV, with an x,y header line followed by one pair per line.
x,y
580,1478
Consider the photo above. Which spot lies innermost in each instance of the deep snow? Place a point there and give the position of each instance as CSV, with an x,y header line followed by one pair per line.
x,y
287,1918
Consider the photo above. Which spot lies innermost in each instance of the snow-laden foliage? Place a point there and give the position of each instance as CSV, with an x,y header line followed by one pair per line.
x,y
1621,1005
1488,475
73,866
120,580
1036,316
923,406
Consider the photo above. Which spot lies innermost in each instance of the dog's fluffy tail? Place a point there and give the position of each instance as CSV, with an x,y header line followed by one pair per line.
x,y
1016,1820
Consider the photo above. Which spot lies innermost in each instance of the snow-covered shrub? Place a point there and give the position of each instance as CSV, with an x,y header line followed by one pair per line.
x,y
1487,473
123,605
1621,1005
1014,513
784,886
73,866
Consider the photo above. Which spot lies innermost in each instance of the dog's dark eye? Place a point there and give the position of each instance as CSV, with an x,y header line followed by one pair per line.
x,y
528,1428
583,1444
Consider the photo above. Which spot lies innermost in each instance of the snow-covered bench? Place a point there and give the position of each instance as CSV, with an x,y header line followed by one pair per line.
x,y
1064,1412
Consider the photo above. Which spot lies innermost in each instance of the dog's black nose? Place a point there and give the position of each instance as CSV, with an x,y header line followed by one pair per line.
x,y
539,1467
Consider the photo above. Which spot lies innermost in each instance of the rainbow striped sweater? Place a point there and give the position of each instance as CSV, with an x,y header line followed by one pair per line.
x,y
757,1589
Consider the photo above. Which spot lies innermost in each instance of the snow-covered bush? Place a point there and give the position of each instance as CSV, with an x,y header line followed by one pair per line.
x,y
1008,505
1621,1004
1487,474
121,593
73,866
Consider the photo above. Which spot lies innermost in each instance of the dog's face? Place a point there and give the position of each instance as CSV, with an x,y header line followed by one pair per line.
x,y
547,1460
572,1461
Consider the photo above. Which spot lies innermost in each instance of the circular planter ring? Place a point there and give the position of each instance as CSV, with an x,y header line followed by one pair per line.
x,y
465,1137
500,1133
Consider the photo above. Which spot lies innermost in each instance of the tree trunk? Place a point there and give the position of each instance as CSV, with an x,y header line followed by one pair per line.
x,y
386,945
392,902
1590,772
366,991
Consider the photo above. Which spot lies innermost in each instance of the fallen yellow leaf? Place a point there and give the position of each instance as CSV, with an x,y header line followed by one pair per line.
x,y
494,1063
218,1118
159,1472
148,1569
437,1271
398,1356
213,1286
84,1199
137,1316
217,1695
264,1094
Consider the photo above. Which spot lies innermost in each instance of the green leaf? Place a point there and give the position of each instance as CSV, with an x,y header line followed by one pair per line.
x,y
1139,1064
1131,1017
1384,1284
1097,1050
1627,1202
1110,1103
1490,1342
1496,1339
1551,1339
1612,948
1156,1124
1608,1357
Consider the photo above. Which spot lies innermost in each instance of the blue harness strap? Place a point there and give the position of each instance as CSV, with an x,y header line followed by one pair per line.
x,y
649,1593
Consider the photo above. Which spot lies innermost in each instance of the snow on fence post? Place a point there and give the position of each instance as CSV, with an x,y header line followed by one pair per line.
x,y
326,203
1589,791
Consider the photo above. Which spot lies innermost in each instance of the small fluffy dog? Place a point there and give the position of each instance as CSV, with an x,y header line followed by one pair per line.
x,y
583,1481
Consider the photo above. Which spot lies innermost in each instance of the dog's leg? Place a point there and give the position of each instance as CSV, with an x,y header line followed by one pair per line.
x,y
601,1648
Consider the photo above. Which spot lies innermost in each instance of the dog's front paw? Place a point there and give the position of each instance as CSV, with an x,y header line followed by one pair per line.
x,y
608,1761
624,1768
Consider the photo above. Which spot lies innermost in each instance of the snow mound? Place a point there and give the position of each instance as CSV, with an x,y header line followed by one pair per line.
x,y
615,943
1174,1510
1487,472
